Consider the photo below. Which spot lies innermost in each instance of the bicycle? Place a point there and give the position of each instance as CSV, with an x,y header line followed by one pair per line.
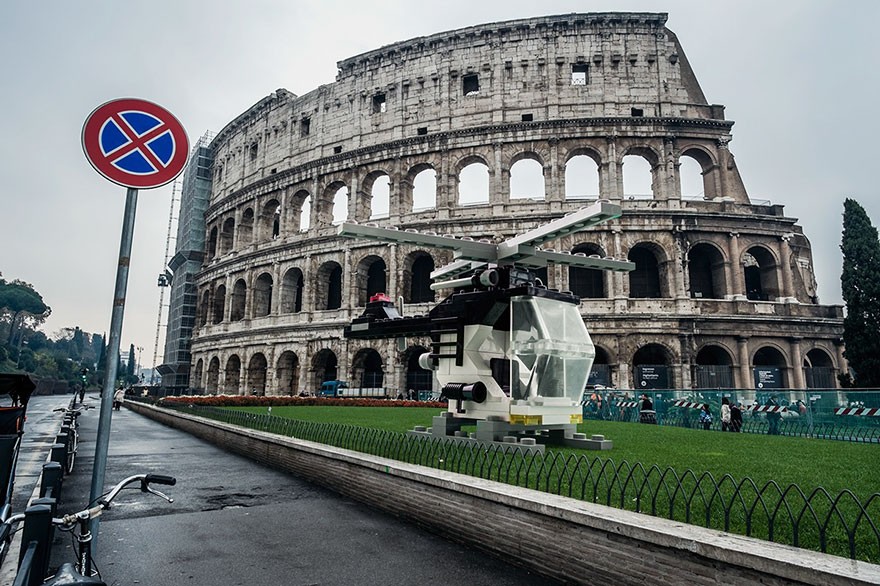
x,y
85,572
71,424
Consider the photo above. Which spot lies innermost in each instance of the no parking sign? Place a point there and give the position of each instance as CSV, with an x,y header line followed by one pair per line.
x,y
135,143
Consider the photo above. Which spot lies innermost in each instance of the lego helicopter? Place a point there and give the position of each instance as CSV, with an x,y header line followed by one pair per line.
x,y
510,355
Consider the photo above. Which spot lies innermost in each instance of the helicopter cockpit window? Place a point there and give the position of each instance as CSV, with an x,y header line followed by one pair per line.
x,y
551,349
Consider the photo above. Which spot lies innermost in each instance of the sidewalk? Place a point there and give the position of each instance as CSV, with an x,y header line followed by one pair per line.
x,y
236,522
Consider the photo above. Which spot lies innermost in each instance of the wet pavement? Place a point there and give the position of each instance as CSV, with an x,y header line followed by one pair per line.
x,y
235,522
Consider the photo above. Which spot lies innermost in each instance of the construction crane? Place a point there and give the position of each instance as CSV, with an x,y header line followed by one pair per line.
x,y
164,279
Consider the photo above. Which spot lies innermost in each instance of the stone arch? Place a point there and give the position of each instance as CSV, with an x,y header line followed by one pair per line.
x,y
641,180
287,374
651,367
213,379
769,355
270,220
212,243
245,228
218,308
328,286
760,273
708,172
195,380
300,210
374,197
583,282
232,376
416,277
325,366
706,271
601,372
714,367
367,370
256,374
371,278
204,308
227,234
422,183
527,179
582,177
292,286
262,292
325,207
819,369
238,300
473,181
648,279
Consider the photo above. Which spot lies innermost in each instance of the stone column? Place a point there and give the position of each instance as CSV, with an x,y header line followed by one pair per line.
x,y
797,364
745,372
554,190
349,281
392,273
737,279
785,262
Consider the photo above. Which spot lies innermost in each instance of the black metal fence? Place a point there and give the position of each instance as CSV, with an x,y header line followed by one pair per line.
x,y
839,524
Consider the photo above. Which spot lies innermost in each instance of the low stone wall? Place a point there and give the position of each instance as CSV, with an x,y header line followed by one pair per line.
x,y
567,539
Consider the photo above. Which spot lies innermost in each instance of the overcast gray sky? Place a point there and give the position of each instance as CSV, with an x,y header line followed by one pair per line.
x,y
799,78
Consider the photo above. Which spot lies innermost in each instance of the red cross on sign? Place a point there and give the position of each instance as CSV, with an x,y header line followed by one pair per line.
x,y
135,143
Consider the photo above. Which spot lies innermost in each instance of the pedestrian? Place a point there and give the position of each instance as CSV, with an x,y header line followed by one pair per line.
x,y
82,392
773,415
706,416
118,398
647,413
725,414
736,417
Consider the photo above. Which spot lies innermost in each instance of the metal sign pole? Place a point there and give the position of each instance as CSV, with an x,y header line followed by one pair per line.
x,y
112,356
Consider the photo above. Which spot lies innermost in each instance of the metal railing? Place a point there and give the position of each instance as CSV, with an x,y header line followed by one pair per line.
x,y
838,524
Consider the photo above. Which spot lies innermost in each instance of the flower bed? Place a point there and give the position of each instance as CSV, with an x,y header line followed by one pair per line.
x,y
251,401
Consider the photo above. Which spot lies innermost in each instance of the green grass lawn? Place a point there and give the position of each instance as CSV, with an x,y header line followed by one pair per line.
x,y
809,463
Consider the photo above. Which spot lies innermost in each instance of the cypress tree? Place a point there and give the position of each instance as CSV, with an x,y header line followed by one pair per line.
x,y
860,283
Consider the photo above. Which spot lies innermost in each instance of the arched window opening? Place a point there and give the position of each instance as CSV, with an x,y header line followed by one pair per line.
x,y
690,175
769,371
287,374
204,308
819,370
706,272
218,309
380,198
581,178
367,369
239,296
527,180
644,280
226,236
420,279
246,228
232,376
270,220
329,284
325,367
263,295
195,380
418,379
759,269
299,210
473,185
291,291
714,368
587,283
276,223
371,278
600,374
637,178
256,375
424,190
651,367
212,243
211,384
340,205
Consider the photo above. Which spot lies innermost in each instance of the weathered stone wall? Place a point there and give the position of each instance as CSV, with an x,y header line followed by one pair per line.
x,y
572,541
406,110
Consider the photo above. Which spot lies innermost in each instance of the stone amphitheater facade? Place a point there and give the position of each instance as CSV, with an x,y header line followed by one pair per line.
x,y
723,284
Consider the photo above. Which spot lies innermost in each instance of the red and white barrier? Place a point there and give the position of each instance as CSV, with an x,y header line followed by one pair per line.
x,y
688,404
625,404
859,411
767,408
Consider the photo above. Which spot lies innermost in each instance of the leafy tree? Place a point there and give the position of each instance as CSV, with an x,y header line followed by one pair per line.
x,y
860,282
18,302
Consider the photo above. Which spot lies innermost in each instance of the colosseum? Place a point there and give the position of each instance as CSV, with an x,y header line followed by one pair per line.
x,y
486,132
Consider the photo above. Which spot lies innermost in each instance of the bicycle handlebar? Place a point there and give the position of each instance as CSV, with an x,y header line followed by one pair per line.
x,y
160,479
104,503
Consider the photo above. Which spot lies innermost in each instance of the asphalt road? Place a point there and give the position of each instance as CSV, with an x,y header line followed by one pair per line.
x,y
235,522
